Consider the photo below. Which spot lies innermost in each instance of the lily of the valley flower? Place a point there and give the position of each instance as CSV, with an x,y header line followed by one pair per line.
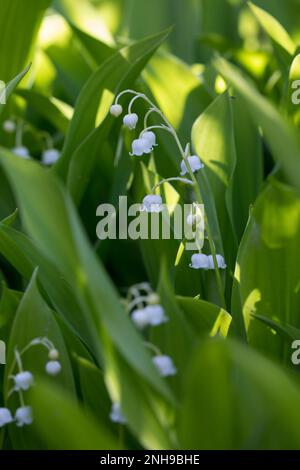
x,y
150,138
156,315
130,120
202,261
152,315
195,164
220,261
116,110
140,318
116,415
23,380
21,151
5,417
164,365
23,416
9,126
140,146
50,156
152,203
53,367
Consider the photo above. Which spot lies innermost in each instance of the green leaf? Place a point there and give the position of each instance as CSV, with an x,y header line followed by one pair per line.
x,y
237,399
204,317
45,204
24,255
116,72
267,270
288,332
10,87
213,140
19,24
282,139
62,425
49,108
34,319
274,29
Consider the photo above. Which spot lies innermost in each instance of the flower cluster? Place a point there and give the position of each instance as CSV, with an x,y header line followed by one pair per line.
x,y
145,310
190,165
49,156
24,379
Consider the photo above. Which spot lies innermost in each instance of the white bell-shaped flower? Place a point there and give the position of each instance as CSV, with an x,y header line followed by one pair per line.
x,y
116,415
152,203
23,380
21,151
156,315
220,261
130,120
5,417
53,367
116,110
140,318
53,354
195,164
200,261
150,138
23,416
50,156
9,126
140,146
164,365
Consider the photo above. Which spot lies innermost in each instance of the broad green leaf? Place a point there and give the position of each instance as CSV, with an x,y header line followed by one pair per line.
x,y
288,332
237,399
8,305
19,24
99,50
267,270
248,174
61,424
274,29
49,108
34,319
281,138
44,204
204,317
24,255
213,140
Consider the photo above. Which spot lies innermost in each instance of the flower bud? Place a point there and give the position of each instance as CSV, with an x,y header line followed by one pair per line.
x,y
9,126
116,415
53,354
116,110
53,367
50,156
152,203
195,164
21,151
130,120
153,298
164,365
